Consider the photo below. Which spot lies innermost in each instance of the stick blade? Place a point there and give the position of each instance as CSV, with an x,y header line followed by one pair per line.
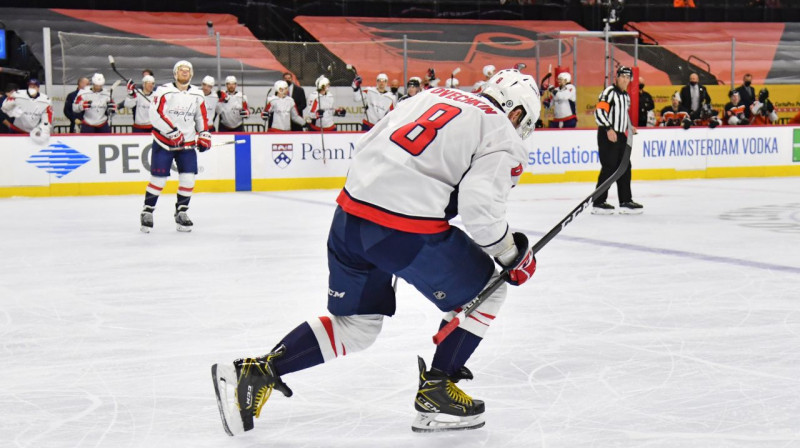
x,y
111,59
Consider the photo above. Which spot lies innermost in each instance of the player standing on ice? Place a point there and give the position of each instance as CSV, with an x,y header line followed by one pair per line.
x,y
140,103
179,125
445,153
379,100
97,106
30,112
280,111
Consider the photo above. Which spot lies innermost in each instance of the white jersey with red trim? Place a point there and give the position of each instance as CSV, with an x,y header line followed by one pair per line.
x,y
27,112
181,109
564,99
284,112
140,105
378,104
441,153
478,87
211,100
230,111
325,103
97,114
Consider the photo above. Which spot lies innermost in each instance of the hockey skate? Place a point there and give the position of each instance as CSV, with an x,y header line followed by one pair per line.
x,y
631,208
242,388
146,219
603,208
442,406
184,224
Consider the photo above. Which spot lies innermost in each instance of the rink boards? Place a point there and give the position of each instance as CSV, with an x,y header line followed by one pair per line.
x,y
74,165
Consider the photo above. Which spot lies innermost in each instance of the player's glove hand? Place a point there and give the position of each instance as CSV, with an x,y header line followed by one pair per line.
x,y
244,113
204,141
431,74
87,105
223,97
340,112
174,138
266,115
687,123
524,265
111,108
357,83
320,113
131,88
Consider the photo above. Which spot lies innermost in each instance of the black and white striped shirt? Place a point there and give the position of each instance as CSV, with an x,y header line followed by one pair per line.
x,y
612,109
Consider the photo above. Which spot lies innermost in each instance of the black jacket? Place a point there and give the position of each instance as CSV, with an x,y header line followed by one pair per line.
x,y
747,95
686,99
299,97
71,116
646,104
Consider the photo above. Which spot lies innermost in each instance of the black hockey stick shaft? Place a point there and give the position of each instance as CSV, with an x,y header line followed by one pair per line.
x,y
468,309
352,68
121,76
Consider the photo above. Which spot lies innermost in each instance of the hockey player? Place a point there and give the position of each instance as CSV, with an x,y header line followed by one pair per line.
x,y
379,100
30,112
736,114
180,124
675,114
212,100
97,106
280,111
407,175
322,110
562,100
140,104
452,83
488,72
233,109
762,110
413,87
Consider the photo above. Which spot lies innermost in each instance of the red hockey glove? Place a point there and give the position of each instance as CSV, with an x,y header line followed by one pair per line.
x,y
357,83
244,113
523,267
265,115
174,137
111,108
320,113
204,141
340,112
87,105
131,88
431,75
223,97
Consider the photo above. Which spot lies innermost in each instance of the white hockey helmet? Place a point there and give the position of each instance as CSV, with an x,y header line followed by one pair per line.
x,y
281,85
512,89
230,80
451,82
208,80
321,82
148,78
488,70
180,64
382,77
565,76
98,79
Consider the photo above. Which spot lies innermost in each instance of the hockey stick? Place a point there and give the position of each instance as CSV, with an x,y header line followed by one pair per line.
x,y
121,76
470,307
230,142
453,74
352,68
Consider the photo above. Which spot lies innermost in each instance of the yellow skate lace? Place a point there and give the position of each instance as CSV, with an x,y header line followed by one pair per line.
x,y
263,393
458,395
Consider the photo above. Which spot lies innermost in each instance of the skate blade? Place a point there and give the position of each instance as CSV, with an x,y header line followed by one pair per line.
x,y
437,422
631,211
183,228
224,376
602,211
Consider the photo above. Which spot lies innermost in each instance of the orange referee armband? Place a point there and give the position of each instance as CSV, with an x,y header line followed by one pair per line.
x,y
604,105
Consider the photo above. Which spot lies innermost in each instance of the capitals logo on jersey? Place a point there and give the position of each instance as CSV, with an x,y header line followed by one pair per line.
x,y
282,154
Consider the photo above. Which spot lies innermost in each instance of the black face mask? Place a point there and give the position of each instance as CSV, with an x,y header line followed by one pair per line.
x,y
394,90
693,83
641,86
747,83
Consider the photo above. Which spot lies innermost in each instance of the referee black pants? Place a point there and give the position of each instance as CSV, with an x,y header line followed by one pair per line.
x,y
610,158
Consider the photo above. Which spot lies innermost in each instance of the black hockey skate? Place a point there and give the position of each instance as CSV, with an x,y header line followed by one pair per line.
x,y
184,224
603,208
146,219
442,406
242,388
631,208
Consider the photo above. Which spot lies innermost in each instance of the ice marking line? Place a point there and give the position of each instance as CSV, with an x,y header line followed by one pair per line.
x,y
676,253
624,246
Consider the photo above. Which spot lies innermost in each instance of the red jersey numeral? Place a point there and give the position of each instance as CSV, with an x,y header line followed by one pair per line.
x,y
414,137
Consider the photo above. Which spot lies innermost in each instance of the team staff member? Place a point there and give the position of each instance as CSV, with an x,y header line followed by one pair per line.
x,y
612,118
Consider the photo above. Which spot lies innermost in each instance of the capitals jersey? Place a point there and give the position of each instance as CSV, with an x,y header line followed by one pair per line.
x,y
97,114
230,112
212,100
563,103
441,153
284,112
378,104
181,109
140,104
27,112
325,104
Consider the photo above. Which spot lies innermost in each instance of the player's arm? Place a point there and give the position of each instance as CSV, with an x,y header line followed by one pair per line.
x,y
603,108
296,118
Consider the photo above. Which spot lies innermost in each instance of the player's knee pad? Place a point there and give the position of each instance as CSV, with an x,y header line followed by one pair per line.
x,y
186,183
478,322
156,184
340,335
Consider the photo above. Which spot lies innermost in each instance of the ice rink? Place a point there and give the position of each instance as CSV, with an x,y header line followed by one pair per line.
x,y
676,328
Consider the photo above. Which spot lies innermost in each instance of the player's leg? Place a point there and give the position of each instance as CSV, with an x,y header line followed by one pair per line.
x,y
160,162
186,161
608,164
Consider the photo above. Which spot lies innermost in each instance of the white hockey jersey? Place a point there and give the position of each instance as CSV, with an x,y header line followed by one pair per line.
x,y
284,112
140,104
478,87
27,112
97,114
324,103
563,103
378,104
181,109
441,153
211,100
230,111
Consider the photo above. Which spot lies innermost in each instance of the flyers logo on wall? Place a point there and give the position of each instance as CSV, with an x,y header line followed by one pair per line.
x,y
282,154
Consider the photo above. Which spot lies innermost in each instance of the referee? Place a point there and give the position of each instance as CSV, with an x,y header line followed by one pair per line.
x,y
612,120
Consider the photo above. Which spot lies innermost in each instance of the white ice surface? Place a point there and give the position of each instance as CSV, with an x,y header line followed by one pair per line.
x,y
676,328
